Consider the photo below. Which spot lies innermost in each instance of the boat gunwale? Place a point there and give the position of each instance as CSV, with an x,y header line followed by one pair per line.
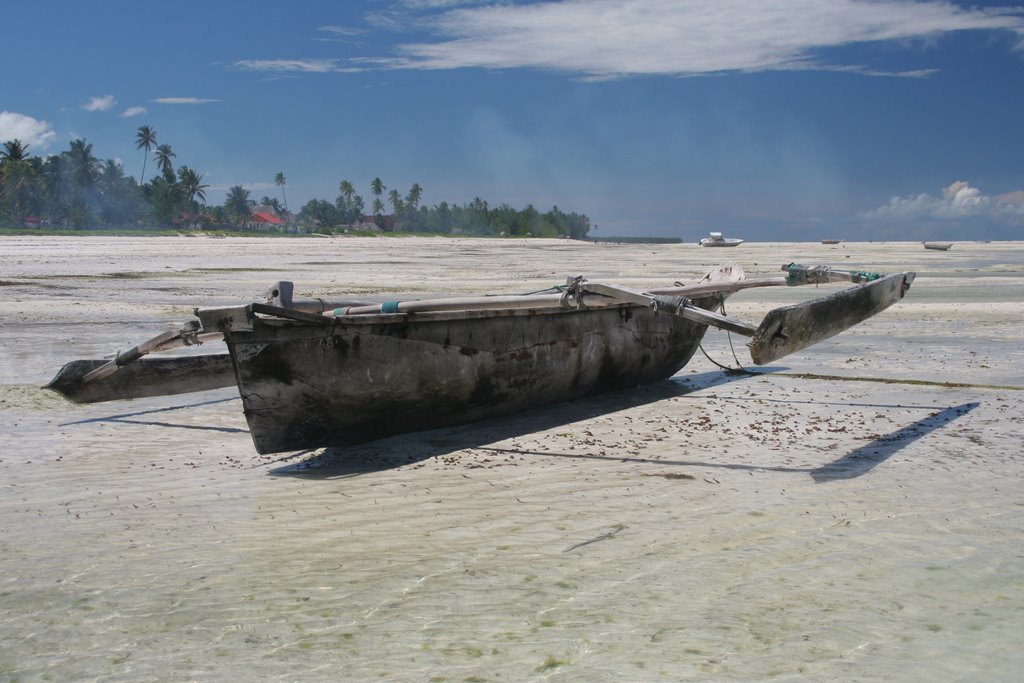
x,y
377,319
430,316
713,293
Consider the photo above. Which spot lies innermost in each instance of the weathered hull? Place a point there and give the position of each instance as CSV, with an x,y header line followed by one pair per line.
x,y
362,378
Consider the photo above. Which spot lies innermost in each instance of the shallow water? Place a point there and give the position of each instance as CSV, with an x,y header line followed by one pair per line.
x,y
713,526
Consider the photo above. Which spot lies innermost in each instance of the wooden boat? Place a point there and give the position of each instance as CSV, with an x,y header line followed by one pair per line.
x,y
715,239
313,373
938,246
831,241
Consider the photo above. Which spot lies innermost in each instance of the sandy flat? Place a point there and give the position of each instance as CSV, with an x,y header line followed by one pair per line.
x,y
852,512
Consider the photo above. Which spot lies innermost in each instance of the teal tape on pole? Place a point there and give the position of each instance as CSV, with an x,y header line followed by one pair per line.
x,y
389,307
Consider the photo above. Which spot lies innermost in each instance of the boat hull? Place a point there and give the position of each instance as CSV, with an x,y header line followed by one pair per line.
x,y
354,380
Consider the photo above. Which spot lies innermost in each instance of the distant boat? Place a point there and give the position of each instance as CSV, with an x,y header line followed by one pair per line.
x,y
831,241
715,239
938,246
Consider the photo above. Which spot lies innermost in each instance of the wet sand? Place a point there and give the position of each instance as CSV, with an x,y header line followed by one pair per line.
x,y
789,525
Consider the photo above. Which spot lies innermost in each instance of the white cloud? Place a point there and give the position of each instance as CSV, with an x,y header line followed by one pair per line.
x,y
958,202
32,132
182,100
342,31
1012,198
285,65
100,103
611,39
319,66
421,4
133,111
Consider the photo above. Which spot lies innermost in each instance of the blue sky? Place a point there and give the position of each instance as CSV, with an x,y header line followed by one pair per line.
x,y
766,120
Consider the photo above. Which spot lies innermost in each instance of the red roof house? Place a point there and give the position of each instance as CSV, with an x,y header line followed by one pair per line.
x,y
263,220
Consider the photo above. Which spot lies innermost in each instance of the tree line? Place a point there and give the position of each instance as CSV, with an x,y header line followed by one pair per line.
x,y
408,215
75,189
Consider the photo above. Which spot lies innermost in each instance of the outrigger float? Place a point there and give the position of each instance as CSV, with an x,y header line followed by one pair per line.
x,y
315,373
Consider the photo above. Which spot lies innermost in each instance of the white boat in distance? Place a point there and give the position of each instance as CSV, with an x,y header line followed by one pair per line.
x,y
715,239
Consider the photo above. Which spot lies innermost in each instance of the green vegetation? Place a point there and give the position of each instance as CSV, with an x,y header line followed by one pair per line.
x,y
408,216
74,190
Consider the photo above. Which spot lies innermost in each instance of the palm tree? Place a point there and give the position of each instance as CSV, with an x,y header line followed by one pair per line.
x,y
349,204
412,203
377,187
83,167
396,205
53,189
17,178
145,139
413,198
163,161
191,184
346,190
279,180
237,203
272,203
14,150
120,202
78,170
478,211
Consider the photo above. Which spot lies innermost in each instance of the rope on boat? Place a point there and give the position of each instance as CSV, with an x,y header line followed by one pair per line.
x,y
818,275
864,276
670,304
739,369
554,289
573,289
803,275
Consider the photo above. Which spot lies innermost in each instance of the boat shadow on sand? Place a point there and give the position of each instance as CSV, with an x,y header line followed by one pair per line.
x,y
146,419
409,449
862,460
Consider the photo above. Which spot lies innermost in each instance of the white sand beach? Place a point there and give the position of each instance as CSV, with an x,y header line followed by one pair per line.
x,y
853,512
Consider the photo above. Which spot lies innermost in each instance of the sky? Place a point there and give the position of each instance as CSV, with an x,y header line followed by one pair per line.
x,y
802,120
